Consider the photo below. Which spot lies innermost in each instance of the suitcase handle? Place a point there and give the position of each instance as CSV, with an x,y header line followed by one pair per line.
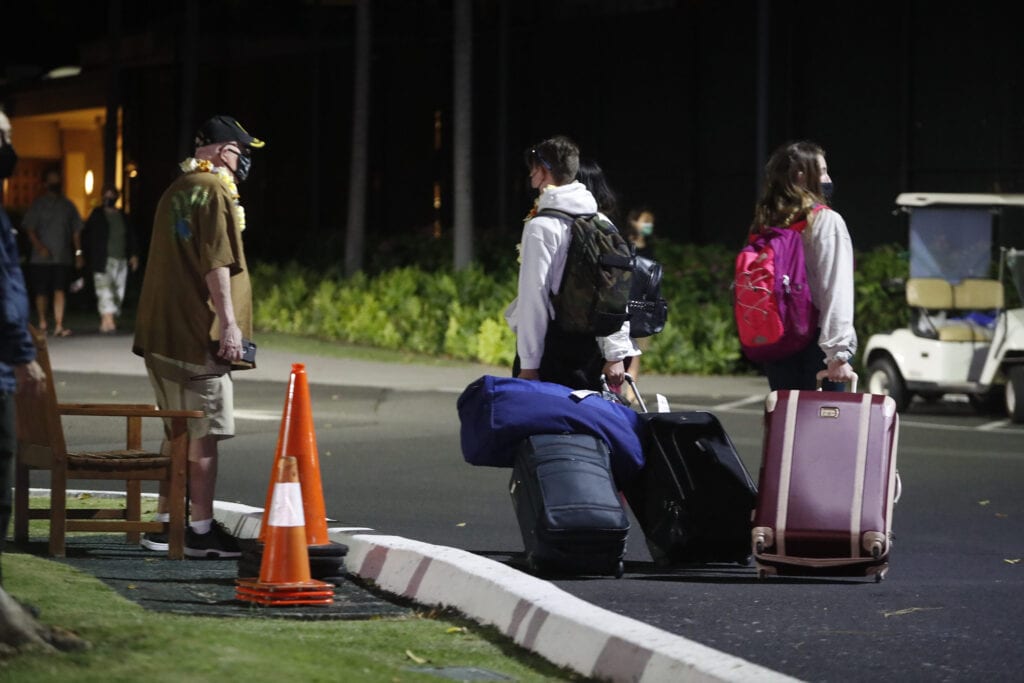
x,y
632,385
823,374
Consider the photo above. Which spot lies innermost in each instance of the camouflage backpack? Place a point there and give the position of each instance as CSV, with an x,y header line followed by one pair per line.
x,y
593,297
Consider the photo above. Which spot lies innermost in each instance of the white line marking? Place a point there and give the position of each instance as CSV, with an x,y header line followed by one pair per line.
x,y
257,415
998,426
991,426
736,404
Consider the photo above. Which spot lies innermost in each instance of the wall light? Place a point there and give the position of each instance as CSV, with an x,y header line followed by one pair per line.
x,y
89,180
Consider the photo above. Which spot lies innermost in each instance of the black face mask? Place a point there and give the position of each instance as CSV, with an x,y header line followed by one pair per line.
x,y
826,191
8,158
109,202
242,170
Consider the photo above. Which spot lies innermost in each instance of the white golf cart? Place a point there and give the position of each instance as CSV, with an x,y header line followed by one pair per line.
x,y
962,339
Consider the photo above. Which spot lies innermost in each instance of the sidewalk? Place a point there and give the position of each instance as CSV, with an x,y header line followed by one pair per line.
x,y
112,355
532,612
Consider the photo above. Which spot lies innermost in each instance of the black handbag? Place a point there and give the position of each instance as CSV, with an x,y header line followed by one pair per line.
x,y
648,311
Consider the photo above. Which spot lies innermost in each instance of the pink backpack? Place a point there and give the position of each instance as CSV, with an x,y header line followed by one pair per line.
x,y
775,316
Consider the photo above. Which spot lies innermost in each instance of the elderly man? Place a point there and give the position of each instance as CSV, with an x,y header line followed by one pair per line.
x,y
194,312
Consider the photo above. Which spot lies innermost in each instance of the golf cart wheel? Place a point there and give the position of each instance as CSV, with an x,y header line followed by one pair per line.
x,y
1015,394
884,378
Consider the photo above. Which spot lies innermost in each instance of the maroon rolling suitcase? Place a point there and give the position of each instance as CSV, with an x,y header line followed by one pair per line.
x,y
827,485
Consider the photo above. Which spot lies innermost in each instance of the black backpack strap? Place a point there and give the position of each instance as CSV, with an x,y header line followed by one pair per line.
x,y
564,214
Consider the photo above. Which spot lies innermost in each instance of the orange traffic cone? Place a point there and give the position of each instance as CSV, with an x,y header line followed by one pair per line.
x,y
297,438
284,571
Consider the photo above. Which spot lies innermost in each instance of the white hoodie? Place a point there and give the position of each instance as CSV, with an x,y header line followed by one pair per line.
x,y
544,247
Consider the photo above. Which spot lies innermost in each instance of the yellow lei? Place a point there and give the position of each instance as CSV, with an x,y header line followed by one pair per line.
x,y
192,165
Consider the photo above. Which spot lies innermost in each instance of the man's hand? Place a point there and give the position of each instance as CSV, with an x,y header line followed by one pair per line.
x,y
615,372
133,263
30,378
230,342
529,374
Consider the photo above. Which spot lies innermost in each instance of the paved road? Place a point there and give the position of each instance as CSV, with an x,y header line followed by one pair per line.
x,y
949,610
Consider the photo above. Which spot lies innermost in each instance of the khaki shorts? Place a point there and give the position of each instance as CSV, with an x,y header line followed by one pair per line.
x,y
187,386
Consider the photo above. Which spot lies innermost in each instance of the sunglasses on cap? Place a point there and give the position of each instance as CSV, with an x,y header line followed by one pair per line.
x,y
536,156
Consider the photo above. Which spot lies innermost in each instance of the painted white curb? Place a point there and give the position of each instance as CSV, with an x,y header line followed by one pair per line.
x,y
532,612
539,616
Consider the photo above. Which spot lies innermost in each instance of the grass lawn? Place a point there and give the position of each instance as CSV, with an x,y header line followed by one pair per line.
x,y
130,643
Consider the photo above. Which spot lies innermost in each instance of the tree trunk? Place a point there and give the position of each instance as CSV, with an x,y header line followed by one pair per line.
x,y
355,236
19,630
462,139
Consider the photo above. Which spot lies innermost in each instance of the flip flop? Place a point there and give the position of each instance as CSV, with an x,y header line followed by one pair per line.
x,y
63,332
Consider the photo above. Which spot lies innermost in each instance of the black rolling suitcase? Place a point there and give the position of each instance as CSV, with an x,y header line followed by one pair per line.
x,y
567,505
694,497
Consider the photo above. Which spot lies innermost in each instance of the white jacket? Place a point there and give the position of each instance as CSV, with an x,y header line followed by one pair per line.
x,y
543,249
828,253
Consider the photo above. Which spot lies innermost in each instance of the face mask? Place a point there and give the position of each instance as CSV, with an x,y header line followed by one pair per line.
x,y
109,202
53,187
242,170
646,229
8,158
826,191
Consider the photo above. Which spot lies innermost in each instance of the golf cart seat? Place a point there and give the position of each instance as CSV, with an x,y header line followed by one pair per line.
x,y
934,300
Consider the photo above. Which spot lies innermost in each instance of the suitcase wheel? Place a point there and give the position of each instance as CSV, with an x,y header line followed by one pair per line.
x,y
620,569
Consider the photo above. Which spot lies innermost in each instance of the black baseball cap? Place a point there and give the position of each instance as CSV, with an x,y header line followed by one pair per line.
x,y
224,128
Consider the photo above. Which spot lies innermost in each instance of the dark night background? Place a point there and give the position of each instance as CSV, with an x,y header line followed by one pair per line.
x,y
904,96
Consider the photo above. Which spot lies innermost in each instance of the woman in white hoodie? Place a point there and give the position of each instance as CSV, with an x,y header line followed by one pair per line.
x,y
543,351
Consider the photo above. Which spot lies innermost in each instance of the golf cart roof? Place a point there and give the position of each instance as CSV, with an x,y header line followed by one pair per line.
x,y
958,199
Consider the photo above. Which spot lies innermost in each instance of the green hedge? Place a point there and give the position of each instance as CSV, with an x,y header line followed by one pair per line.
x,y
460,314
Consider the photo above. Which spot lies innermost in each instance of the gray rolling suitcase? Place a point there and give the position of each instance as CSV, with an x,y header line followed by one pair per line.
x,y
567,505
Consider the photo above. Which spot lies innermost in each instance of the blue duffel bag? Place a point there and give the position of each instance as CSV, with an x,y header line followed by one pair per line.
x,y
497,413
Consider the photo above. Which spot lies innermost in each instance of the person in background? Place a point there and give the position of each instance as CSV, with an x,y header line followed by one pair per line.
x,y
19,370
544,351
796,182
594,179
110,250
194,312
641,231
641,234
54,228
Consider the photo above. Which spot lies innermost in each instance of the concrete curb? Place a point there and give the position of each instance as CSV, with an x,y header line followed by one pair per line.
x,y
539,616
534,613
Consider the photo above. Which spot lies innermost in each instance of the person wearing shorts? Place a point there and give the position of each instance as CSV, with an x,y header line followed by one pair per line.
x,y
194,311
54,229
